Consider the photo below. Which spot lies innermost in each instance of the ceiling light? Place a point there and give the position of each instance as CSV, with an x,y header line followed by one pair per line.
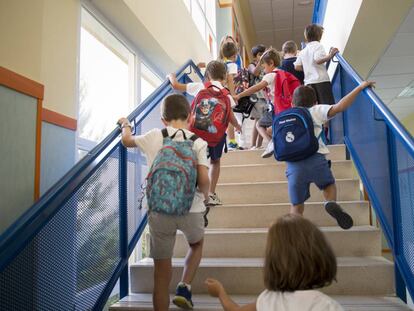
x,y
305,2
407,92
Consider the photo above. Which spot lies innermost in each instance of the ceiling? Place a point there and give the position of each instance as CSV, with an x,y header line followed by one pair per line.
x,y
394,71
277,21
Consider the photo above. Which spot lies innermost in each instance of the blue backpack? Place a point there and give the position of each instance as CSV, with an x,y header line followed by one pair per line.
x,y
293,135
171,181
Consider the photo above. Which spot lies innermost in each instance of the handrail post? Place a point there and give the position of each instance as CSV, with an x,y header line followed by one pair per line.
x,y
400,286
123,221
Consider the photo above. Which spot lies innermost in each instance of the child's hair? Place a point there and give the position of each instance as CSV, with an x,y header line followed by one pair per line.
x,y
289,47
223,40
258,49
271,55
175,107
304,96
228,49
216,70
298,256
313,32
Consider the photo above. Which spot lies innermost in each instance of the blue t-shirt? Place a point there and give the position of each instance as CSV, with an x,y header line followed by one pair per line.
x,y
287,65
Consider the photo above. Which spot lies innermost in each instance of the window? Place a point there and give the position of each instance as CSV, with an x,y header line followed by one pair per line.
x,y
113,80
203,13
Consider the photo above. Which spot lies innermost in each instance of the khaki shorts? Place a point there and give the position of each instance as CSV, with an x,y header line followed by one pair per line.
x,y
163,229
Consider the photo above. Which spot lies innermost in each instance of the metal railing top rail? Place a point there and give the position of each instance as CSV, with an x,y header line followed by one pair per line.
x,y
394,124
16,237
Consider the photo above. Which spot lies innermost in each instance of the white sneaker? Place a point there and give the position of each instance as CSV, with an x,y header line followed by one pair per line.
x,y
213,199
269,150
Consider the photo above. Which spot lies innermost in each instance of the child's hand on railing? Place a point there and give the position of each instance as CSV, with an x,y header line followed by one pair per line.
x,y
366,84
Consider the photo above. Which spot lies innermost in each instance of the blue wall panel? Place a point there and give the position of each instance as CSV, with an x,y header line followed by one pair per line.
x,y
58,154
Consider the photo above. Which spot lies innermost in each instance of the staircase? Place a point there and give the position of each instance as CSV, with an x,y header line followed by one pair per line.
x,y
254,191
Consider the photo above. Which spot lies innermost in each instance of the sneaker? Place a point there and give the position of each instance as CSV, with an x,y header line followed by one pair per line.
x,y
269,150
343,219
182,297
214,199
232,146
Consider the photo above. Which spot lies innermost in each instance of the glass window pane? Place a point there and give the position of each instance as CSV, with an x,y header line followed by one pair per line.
x,y
211,16
199,20
105,80
149,81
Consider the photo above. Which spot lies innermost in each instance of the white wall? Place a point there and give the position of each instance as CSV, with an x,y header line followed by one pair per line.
x,y
40,40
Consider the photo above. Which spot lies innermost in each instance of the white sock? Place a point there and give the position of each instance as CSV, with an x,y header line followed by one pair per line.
x,y
186,285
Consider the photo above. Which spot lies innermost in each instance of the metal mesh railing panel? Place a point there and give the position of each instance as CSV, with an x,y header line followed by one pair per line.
x,y
406,191
68,263
367,136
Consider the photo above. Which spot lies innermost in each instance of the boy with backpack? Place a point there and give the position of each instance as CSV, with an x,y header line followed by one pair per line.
x,y
210,116
280,84
290,50
176,192
297,135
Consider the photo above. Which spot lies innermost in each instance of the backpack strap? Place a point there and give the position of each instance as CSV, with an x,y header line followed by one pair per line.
x,y
194,137
179,130
164,132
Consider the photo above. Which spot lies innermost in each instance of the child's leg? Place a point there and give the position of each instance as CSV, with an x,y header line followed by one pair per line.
x,y
214,174
297,209
329,193
192,261
262,131
255,135
232,137
162,279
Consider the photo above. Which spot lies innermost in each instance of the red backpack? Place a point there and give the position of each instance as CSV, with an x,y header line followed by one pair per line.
x,y
285,85
210,114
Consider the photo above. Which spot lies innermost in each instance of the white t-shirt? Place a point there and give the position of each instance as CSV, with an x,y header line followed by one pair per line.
x,y
270,79
301,300
194,87
231,68
151,142
314,73
319,115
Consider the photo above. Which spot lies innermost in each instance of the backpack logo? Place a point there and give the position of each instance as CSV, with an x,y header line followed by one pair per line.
x,y
290,137
203,120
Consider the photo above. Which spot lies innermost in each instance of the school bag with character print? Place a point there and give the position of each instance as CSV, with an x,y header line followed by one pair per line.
x,y
171,181
210,114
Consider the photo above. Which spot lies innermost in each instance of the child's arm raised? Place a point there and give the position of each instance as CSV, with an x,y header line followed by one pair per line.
x,y
127,137
328,57
216,289
175,84
347,101
251,90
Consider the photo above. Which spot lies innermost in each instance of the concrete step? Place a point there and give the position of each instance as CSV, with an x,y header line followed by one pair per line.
x,y
240,157
277,192
244,276
275,172
143,302
263,215
247,243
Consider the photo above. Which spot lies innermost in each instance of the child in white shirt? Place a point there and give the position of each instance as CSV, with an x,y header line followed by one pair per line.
x,y
311,60
298,261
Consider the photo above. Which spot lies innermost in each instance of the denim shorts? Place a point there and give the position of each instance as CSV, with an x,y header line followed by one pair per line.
x,y
315,169
215,153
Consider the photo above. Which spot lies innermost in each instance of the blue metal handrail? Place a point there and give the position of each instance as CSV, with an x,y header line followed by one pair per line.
x,y
394,124
382,183
19,234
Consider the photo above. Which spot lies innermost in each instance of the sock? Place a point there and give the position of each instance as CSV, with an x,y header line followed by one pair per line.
x,y
186,285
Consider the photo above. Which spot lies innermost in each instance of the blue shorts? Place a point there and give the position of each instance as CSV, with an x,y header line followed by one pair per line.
x,y
315,169
214,153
